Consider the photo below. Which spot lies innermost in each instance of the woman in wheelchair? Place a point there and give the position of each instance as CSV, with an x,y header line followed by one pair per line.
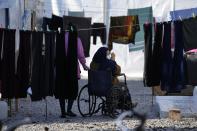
x,y
103,61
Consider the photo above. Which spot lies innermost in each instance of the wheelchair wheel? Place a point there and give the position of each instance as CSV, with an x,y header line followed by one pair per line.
x,y
86,103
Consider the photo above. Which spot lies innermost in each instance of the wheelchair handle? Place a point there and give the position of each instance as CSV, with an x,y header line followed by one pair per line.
x,y
125,79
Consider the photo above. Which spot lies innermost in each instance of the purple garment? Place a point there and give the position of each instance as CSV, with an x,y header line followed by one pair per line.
x,y
80,53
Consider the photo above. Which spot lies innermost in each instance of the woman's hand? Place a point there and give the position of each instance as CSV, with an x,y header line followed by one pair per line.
x,y
85,67
113,56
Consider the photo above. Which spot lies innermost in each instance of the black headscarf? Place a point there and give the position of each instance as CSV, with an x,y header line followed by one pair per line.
x,y
100,58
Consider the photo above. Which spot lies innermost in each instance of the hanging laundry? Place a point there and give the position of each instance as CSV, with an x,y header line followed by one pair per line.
x,y
46,22
1,43
148,55
48,64
191,68
84,35
183,14
99,32
166,72
157,55
178,80
23,64
37,66
56,22
60,79
8,64
72,43
189,33
123,29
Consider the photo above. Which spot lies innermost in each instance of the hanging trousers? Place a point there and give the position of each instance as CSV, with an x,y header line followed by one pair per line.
x,y
157,55
48,63
178,80
166,77
148,54
60,59
37,66
1,36
1,43
23,64
99,32
8,64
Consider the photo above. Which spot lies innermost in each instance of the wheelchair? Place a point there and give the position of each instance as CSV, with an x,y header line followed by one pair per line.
x,y
100,95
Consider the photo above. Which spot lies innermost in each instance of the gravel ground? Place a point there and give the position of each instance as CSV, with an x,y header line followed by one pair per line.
x,y
35,112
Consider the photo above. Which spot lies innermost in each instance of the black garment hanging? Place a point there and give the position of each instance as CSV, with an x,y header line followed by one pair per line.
x,y
178,73
148,55
157,55
60,79
46,21
84,35
23,64
48,64
56,22
99,32
191,68
1,43
8,64
189,33
71,67
166,76
37,66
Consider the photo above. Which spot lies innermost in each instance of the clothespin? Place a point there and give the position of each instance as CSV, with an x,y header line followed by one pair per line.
x,y
35,28
180,18
147,22
48,28
193,14
71,28
59,29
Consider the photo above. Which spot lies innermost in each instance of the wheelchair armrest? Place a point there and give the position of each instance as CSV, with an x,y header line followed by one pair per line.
x,y
125,79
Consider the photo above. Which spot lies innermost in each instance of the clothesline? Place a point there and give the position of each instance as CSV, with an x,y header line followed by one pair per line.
x,y
118,26
83,11
121,26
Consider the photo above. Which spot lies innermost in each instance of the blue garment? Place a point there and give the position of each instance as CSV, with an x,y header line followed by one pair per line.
x,y
104,63
183,14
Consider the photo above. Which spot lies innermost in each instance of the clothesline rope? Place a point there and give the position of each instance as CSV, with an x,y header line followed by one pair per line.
x,y
83,11
118,26
121,26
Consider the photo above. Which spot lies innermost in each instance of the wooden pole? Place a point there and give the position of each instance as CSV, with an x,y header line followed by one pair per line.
x,y
152,95
16,105
10,108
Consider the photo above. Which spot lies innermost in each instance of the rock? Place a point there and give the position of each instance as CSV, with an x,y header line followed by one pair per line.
x,y
175,114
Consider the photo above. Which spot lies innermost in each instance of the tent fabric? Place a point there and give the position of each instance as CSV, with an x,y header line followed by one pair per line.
x,y
161,9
